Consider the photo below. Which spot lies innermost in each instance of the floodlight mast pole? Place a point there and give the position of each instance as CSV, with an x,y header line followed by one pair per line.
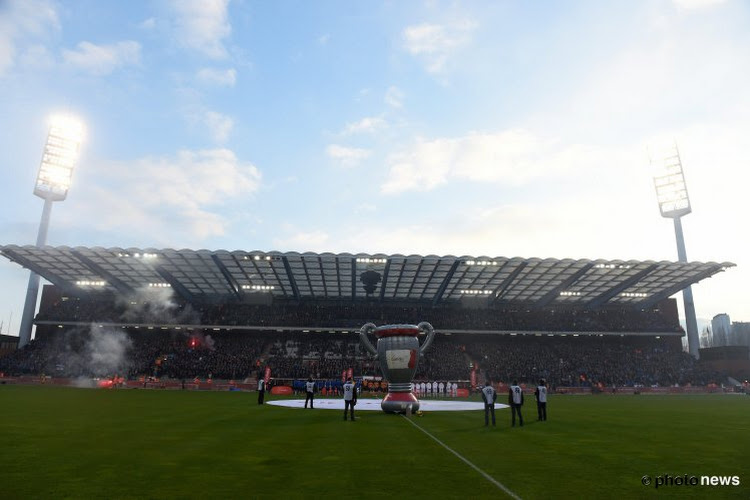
x,y
52,183
671,192
687,295
32,291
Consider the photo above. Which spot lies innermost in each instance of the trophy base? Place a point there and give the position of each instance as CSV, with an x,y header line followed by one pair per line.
x,y
399,402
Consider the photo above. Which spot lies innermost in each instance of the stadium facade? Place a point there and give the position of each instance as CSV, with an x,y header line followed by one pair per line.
x,y
202,276
272,304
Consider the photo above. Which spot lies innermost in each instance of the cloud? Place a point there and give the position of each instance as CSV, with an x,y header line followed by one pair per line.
x,y
202,25
366,125
697,4
304,241
347,157
394,97
513,157
219,126
218,77
103,59
434,44
22,21
680,71
37,57
324,39
148,24
166,199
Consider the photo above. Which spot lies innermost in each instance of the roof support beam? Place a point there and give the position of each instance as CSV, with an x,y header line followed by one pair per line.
x,y
555,292
400,277
411,285
654,299
307,277
499,291
56,280
233,285
174,283
354,278
275,274
613,292
119,285
323,276
446,281
242,270
338,277
429,280
290,276
491,298
385,279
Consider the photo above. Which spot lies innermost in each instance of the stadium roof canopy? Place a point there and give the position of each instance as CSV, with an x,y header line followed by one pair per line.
x,y
208,276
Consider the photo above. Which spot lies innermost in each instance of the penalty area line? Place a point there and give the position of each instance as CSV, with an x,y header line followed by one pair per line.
x,y
486,476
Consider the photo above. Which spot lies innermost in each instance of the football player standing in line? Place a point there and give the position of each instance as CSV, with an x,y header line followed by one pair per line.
x,y
515,400
541,400
488,396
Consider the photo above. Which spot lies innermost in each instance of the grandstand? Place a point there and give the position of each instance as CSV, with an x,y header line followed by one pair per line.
x,y
225,315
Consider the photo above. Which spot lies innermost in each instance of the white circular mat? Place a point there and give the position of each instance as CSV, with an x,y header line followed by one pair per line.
x,y
374,404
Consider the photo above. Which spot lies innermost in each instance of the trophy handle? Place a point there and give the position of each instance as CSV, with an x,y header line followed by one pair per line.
x,y
369,327
426,327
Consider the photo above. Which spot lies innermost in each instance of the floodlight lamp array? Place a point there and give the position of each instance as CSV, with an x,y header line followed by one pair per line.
x,y
90,283
59,158
671,189
481,263
138,255
368,260
476,292
260,288
256,257
612,266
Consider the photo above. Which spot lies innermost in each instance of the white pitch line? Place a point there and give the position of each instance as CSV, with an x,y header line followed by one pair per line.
x,y
486,476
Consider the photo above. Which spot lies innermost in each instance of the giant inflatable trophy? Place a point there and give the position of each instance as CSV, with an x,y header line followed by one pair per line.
x,y
398,353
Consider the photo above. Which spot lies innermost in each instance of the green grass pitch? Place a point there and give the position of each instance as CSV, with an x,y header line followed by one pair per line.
x,y
79,443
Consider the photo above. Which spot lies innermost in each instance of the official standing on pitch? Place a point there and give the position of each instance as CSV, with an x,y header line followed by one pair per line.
x,y
488,396
515,400
261,390
310,390
541,400
350,397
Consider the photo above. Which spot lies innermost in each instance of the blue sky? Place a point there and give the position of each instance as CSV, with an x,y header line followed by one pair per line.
x,y
465,128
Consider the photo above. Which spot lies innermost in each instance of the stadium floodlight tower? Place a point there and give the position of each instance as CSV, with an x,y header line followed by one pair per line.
x,y
52,184
672,195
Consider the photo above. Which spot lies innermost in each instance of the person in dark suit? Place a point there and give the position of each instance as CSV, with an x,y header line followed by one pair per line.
x,y
350,397
261,390
310,392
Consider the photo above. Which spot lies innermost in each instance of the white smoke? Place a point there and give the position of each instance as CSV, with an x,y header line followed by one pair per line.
x,y
155,305
83,383
106,351
95,351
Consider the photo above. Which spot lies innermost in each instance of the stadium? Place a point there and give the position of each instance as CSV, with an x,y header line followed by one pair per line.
x,y
297,260
176,323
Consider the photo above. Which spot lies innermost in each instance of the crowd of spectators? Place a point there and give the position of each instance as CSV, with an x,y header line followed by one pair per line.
x,y
589,361
94,351
355,314
569,360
